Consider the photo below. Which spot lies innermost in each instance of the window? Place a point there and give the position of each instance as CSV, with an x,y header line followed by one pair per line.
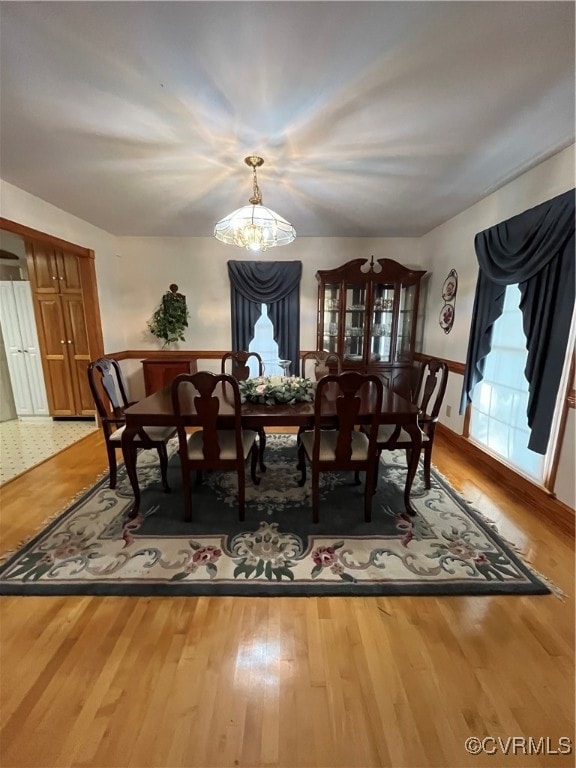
x,y
277,285
498,413
263,343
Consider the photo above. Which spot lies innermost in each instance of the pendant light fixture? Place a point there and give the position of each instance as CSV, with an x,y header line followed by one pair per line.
x,y
254,226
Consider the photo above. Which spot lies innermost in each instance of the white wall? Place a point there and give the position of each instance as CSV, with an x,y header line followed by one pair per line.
x,y
199,267
30,211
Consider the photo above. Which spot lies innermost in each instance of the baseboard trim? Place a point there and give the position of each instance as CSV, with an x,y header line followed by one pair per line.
x,y
557,512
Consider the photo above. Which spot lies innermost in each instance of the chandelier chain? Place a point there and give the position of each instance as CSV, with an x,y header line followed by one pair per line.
x,y
256,198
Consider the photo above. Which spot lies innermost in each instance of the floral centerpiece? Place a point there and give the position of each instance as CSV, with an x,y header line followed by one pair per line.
x,y
273,390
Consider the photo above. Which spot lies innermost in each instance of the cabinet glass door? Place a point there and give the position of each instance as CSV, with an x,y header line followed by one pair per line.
x,y
405,323
330,318
381,329
355,322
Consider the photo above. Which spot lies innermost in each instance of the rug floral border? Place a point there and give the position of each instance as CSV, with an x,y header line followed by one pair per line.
x,y
333,570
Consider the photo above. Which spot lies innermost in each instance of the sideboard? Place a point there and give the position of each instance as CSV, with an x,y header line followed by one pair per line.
x,y
160,371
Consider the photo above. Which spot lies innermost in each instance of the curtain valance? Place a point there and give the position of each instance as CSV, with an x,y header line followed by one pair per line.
x,y
265,281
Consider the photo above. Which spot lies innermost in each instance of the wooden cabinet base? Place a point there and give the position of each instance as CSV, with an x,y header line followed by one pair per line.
x,y
160,372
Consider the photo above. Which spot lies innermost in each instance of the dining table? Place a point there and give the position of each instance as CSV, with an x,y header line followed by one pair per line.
x,y
156,411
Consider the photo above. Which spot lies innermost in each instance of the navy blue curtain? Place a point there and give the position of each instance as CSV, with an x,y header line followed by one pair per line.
x,y
276,284
536,251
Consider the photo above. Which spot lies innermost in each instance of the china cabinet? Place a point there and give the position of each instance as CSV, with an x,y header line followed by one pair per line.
x,y
367,315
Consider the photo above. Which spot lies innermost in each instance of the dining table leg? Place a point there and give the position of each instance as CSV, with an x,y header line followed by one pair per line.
x,y
129,454
416,434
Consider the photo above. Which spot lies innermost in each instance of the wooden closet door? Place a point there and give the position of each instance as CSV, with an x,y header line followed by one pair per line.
x,y
55,275
42,267
78,352
68,271
54,341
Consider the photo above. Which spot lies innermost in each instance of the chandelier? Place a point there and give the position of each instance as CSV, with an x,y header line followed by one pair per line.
x,y
254,226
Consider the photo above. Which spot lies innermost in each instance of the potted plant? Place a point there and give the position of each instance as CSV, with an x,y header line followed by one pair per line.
x,y
171,318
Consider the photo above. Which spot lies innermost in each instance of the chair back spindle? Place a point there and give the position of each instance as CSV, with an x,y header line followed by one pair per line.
x,y
212,447
346,396
428,396
431,387
324,363
238,362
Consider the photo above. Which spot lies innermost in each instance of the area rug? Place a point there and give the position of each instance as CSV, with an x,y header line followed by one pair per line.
x,y
92,548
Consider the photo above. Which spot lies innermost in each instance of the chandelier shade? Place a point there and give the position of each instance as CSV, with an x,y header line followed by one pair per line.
x,y
254,226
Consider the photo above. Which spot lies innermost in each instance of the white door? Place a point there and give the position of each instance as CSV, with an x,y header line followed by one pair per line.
x,y
22,350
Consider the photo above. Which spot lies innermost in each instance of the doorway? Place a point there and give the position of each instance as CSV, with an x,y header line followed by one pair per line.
x,y
67,315
26,442
13,267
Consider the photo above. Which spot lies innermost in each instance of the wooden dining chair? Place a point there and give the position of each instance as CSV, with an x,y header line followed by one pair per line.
x,y
111,399
324,363
346,447
212,448
428,396
237,364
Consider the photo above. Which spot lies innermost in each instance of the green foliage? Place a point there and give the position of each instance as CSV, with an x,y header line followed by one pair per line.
x,y
271,390
170,319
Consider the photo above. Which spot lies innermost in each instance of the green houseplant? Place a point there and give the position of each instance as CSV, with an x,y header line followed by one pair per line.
x,y
171,318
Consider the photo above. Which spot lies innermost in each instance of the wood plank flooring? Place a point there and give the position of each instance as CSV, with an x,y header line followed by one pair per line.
x,y
292,682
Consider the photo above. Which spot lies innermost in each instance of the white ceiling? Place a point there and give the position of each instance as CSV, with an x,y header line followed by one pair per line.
x,y
374,118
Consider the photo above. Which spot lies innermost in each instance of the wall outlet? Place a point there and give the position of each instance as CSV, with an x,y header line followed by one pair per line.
x,y
448,411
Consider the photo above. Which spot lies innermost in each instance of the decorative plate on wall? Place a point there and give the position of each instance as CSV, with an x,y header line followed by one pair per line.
x,y
450,286
447,318
448,311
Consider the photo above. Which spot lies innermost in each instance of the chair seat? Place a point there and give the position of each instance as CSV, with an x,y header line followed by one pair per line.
x,y
111,399
157,434
227,442
328,442
385,432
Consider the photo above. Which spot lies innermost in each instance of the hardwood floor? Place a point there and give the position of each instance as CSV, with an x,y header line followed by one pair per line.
x,y
292,682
